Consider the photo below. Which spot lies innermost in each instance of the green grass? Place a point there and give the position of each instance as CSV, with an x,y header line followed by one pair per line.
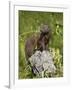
x,y
29,24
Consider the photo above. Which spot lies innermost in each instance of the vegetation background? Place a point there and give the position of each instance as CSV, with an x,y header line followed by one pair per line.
x,y
29,24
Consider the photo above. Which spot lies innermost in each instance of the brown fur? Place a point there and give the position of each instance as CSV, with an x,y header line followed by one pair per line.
x,y
40,41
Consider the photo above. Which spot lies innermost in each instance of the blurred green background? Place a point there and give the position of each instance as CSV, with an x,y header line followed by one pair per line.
x,y
29,24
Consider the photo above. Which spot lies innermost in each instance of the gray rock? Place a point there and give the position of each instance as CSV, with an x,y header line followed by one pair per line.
x,y
42,61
